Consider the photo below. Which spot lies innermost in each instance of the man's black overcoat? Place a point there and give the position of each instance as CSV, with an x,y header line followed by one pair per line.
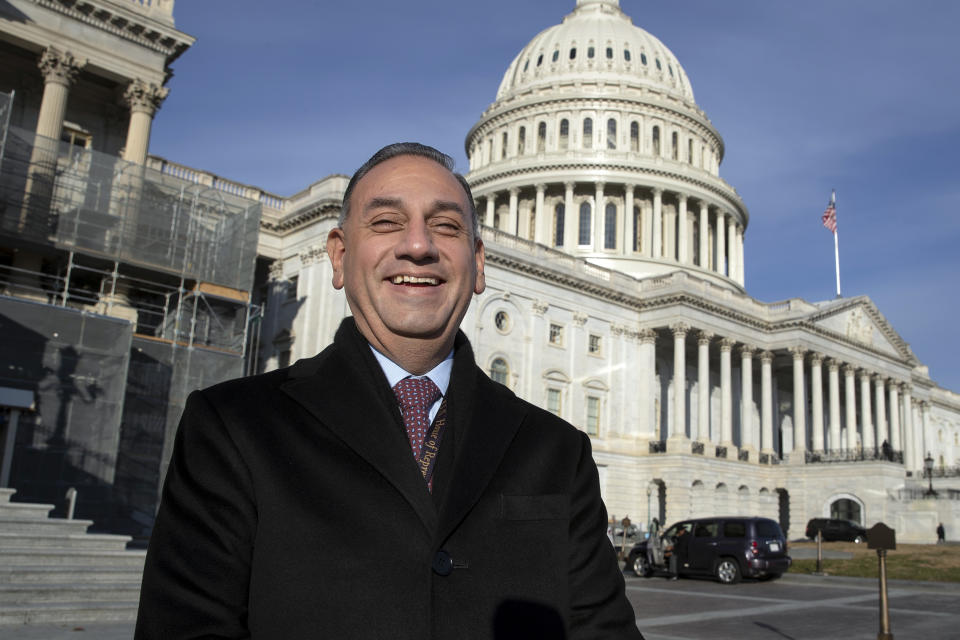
x,y
292,508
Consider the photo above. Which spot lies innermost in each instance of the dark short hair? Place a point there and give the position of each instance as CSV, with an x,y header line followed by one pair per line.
x,y
408,149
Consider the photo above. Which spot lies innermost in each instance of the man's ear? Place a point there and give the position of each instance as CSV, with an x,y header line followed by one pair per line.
x,y
481,282
335,250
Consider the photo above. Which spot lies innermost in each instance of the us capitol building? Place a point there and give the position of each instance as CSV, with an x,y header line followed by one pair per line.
x,y
616,299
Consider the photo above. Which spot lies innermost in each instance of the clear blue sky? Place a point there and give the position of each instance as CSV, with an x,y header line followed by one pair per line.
x,y
858,95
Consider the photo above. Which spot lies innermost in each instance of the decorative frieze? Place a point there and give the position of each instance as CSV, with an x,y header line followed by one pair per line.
x,y
313,255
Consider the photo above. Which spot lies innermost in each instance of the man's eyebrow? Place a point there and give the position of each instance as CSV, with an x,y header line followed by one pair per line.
x,y
447,205
384,203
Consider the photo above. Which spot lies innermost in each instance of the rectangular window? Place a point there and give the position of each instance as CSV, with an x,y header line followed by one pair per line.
x,y
593,415
553,401
556,334
292,288
594,344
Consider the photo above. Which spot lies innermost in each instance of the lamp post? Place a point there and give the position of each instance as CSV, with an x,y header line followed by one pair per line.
x,y
649,493
928,467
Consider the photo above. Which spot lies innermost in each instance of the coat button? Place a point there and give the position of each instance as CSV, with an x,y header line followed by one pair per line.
x,y
442,563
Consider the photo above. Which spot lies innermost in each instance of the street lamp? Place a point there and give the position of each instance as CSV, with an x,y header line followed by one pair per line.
x,y
928,467
649,493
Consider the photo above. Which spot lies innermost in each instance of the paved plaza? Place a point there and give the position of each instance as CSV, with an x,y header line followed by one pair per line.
x,y
796,607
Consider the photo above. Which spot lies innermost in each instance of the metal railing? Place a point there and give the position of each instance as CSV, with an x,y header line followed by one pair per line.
x,y
854,455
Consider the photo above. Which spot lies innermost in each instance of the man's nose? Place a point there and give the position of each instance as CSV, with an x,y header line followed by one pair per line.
x,y
417,241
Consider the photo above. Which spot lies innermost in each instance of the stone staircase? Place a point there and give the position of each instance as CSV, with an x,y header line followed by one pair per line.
x,y
52,570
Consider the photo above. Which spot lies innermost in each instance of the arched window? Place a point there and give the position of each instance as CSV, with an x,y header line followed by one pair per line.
x,y
503,145
610,226
573,52
609,53
522,141
643,59
590,52
539,59
637,229
564,134
541,137
558,221
657,60
656,140
526,65
634,136
675,146
583,237
556,55
611,134
626,55
499,371
846,509
588,133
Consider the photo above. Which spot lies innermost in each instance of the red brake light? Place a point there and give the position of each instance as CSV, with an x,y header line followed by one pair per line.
x,y
753,547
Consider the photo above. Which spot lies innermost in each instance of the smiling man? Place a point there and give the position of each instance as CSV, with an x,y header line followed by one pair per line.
x,y
386,488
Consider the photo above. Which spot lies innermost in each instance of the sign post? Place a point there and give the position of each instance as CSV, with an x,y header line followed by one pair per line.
x,y
883,538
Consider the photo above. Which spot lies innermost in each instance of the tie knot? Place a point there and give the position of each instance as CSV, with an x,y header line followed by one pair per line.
x,y
416,394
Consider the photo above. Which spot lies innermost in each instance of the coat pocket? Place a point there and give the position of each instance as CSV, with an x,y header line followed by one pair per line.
x,y
555,506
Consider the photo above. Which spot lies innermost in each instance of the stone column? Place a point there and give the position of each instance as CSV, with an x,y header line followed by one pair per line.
x,y
678,426
893,389
683,255
851,406
721,243
816,396
909,448
648,339
867,422
599,218
629,220
766,402
732,265
704,222
491,209
541,229
512,221
746,398
59,69
570,219
143,99
657,251
832,367
726,395
703,386
741,268
799,406
926,436
879,387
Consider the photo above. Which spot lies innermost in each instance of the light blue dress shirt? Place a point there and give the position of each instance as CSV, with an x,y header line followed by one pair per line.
x,y
440,375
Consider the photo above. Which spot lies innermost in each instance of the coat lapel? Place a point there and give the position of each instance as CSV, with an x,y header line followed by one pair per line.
x,y
341,390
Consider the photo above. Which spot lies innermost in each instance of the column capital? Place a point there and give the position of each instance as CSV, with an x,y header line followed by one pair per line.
x,y
816,358
797,352
766,356
906,387
313,255
747,350
275,271
657,191
833,364
628,187
569,185
144,97
894,384
864,374
647,336
599,184
59,66
540,187
680,329
924,404
879,379
726,344
704,337
539,307
849,370
681,197
514,191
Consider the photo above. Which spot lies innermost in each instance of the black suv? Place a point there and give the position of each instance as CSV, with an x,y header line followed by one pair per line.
x,y
834,529
728,548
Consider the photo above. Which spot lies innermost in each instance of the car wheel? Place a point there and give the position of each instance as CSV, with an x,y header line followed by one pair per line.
x,y
728,571
858,539
641,568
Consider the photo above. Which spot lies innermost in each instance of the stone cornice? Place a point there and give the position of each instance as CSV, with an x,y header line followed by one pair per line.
x,y
302,218
128,24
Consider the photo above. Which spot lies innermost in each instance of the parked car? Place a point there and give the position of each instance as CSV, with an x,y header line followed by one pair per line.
x,y
836,529
726,547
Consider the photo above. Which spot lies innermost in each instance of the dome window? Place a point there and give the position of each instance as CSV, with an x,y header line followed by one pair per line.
x,y
558,221
522,141
689,150
609,53
659,68
626,55
588,133
541,137
634,136
670,69
503,145
610,226
556,54
643,59
638,229
573,52
539,59
564,134
675,146
656,140
590,52
526,65
583,237
611,134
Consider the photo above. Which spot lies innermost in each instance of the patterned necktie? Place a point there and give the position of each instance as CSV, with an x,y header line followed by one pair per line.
x,y
416,396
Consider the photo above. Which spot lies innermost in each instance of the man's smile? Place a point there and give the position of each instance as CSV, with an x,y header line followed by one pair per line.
x,y
415,280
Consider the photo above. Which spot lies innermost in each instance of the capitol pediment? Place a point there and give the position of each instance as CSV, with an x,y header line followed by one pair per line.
x,y
860,321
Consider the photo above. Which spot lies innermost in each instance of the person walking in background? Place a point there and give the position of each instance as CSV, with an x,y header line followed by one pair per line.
x,y
941,534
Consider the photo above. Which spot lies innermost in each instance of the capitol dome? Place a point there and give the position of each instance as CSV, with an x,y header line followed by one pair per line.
x,y
594,146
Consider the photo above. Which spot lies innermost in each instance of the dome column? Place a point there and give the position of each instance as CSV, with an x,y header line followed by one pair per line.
x,y
741,267
683,256
629,220
721,243
491,205
732,248
512,222
569,220
657,231
599,218
541,228
704,222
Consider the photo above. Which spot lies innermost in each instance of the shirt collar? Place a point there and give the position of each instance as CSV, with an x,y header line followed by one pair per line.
x,y
440,374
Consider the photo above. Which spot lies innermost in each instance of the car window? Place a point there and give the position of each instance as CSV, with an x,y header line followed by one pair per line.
x,y
768,529
735,529
706,530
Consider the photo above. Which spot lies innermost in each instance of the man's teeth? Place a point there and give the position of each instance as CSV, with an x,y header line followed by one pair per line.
x,y
414,280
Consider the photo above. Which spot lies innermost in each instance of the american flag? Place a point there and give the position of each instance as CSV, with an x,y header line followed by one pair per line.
x,y
829,217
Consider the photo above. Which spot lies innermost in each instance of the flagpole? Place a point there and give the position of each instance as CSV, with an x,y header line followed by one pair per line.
x,y
836,241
